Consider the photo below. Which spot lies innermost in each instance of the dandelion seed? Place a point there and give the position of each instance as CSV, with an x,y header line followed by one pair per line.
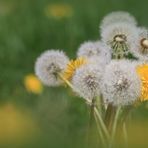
x,y
32,84
117,17
140,48
142,71
90,49
86,80
120,83
49,65
72,66
119,37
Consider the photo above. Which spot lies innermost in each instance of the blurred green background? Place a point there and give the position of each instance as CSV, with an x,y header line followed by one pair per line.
x,y
54,118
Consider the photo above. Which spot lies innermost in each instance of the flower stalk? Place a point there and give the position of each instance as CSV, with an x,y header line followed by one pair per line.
x,y
114,127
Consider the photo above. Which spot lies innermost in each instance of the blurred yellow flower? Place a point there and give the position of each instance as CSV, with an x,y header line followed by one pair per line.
x,y
59,11
6,8
72,66
32,84
15,126
142,71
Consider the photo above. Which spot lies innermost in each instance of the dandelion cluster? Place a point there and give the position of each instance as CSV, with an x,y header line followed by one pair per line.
x,y
112,70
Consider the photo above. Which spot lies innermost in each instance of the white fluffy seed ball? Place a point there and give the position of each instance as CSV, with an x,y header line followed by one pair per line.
x,y
127,30
120,83
140,47
49,64
86,80
116,17
90,49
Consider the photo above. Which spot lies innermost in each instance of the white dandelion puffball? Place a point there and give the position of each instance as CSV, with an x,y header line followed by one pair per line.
x,y
90,49
140,48
86,80
49,64
116,17
120,36
100,61
120,83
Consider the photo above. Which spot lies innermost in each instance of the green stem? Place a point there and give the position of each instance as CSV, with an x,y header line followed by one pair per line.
x,y
125,135
65,80
91,118
102,125
123,121
126,112
109,116
114,126
100,105
70,85
92,110
100,132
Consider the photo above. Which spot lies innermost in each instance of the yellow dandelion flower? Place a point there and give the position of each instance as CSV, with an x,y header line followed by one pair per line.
x,y
32,84
142,71
72,66
59,11
6,8
15,125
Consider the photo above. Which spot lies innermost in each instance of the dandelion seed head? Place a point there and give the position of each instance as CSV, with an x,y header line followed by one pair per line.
x,y
140,47
49,64
120,83
87,49
119,37
116,17
86,80
90,49
100,61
